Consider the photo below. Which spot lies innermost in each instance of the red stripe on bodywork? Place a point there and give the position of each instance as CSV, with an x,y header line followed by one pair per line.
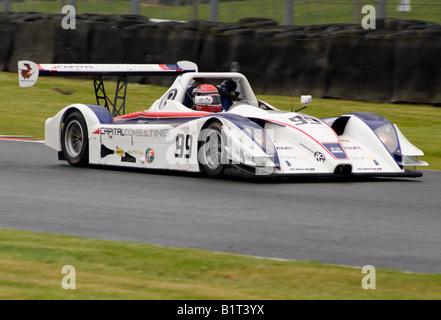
x,y
159,114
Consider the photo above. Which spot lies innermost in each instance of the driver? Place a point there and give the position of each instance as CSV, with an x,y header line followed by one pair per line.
x,y
230,95
207,98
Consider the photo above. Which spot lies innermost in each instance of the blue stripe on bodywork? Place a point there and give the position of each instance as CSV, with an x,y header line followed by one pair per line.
x,y
103,115
172,66
373,120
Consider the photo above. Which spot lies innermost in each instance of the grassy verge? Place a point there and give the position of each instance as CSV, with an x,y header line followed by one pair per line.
x,y
31,268
23,111
305,12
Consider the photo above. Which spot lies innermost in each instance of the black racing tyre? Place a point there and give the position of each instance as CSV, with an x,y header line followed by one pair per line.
x,y
211,150
74,140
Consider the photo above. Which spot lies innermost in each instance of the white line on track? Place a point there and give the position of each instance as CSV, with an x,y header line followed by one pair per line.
x,y
20,139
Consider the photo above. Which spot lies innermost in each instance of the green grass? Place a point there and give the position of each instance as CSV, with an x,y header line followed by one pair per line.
x,y
23,111
305,12
31,265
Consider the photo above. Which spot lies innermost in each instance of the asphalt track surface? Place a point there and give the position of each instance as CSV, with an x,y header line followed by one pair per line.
x,y
386,223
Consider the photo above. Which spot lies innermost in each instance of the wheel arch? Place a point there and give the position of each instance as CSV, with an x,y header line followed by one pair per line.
x,y
93,115
210,121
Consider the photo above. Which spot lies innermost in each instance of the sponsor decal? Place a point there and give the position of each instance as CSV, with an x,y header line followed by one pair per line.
x,y
310,150
336,150
149,155
370,169
292,157
134,132
320,157
119,151
74,67
353,148
134,152
26,73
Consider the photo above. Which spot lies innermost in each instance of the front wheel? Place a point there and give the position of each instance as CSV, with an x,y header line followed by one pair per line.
x,y
211,151
74,140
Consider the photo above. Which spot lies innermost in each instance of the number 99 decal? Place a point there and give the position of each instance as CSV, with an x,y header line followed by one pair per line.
x,y
300,120
183,144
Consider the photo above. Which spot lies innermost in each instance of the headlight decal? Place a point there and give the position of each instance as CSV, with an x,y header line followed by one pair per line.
x,y
385,132
388,136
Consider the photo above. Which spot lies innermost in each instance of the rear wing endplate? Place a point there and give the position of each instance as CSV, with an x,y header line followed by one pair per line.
x,y
28,73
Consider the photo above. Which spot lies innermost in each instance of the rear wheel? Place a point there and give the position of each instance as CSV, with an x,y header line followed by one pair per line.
x,y
74,140
211,150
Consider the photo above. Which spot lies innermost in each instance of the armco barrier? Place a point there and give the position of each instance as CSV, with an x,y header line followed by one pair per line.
x,y
397,62
6,41
360,67
34,38
298,66
417,69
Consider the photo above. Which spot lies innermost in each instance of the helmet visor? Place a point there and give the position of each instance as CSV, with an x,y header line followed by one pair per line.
x,y
216,99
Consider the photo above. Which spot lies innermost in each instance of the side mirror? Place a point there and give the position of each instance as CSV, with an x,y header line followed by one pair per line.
x,y
305,99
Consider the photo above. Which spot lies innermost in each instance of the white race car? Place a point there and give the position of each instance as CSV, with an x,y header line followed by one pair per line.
x,y
212,122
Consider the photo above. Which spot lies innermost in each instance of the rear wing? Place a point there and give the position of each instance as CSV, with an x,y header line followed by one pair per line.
x,y
28,73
